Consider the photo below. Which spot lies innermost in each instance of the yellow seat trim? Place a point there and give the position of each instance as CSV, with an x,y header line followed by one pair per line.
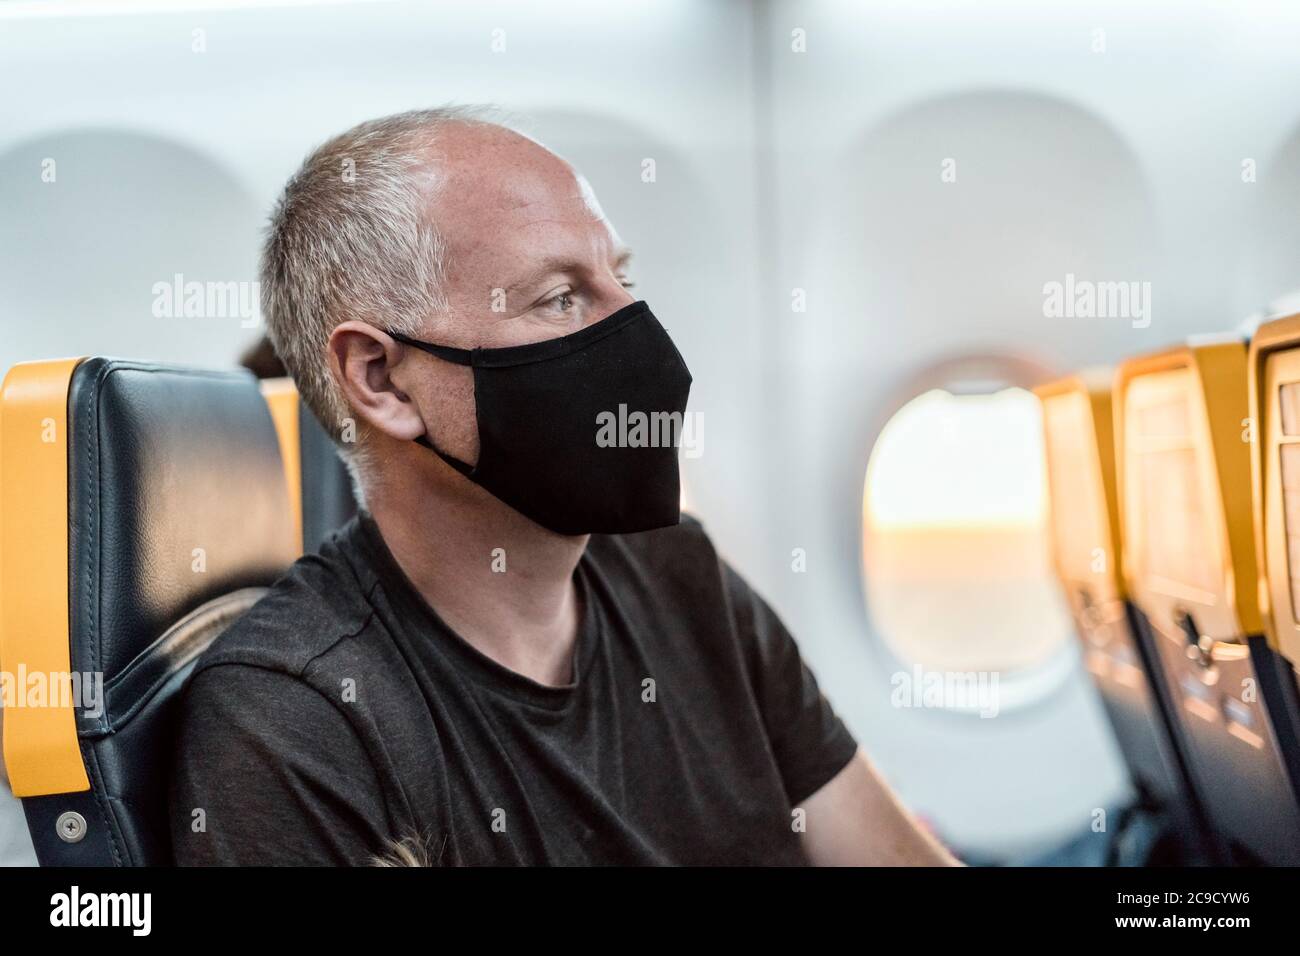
x,y
41,750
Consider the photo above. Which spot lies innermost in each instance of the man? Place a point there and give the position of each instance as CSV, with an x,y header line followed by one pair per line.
x,y
467,674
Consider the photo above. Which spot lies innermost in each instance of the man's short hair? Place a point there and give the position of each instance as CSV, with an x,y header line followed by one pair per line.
x,y
351,238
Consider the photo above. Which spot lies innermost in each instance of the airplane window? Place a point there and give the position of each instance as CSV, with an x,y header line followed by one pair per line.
x,y
955,535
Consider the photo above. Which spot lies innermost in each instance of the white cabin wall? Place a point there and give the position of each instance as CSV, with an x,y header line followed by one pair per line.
x,y
1122,165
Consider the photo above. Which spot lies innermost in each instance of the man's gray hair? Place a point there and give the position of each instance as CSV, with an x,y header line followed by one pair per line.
x,y
351,238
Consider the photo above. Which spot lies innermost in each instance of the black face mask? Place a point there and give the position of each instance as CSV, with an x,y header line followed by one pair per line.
x,y
580,433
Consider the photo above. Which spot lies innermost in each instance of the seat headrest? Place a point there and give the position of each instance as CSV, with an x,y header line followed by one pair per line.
x,y
176,495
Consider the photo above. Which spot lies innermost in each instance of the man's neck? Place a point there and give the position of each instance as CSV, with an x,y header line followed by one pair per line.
x,y
501,582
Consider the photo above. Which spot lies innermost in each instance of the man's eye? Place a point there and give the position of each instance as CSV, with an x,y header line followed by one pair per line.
x,y
563,302
627,283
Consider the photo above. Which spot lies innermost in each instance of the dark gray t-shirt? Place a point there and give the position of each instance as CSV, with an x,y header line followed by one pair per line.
x,y
341,715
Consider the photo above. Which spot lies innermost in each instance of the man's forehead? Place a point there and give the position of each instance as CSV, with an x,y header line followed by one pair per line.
x,y
511,190
520,189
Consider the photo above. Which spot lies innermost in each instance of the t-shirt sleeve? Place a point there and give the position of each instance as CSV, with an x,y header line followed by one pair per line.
x,y
269,772
809,740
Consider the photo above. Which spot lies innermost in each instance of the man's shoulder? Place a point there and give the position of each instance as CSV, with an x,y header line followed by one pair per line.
x,y
317,604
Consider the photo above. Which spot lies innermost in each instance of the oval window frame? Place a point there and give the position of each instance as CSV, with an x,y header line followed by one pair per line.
x,y
966,374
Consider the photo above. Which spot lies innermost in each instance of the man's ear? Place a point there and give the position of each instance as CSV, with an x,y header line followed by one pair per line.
x,y
362,360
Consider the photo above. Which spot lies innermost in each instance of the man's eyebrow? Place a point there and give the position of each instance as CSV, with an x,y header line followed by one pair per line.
x,y
558,264
547,267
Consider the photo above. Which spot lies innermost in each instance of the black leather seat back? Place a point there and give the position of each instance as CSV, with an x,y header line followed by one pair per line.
x,y
179,518
327,499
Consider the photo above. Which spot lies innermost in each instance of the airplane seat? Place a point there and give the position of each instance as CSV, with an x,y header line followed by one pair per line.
x,y
143,509
1086,551
318,480
327,499
1184,472
1274,383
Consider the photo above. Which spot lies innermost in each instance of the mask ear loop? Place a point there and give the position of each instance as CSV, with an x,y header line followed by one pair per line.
x,y
456,463
448,354
445,352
